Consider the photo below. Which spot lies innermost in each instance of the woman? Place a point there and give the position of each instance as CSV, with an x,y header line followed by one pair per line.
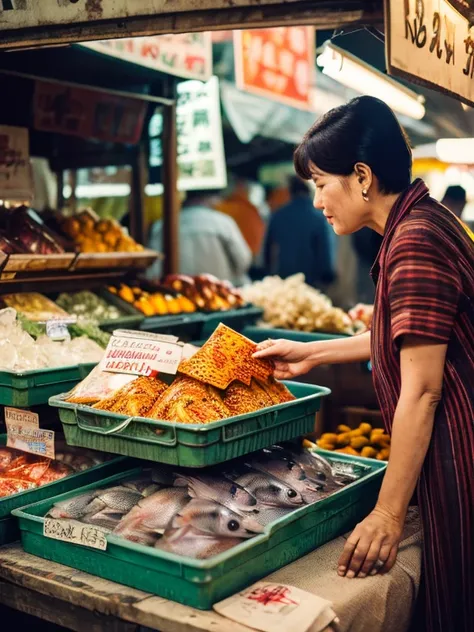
x,y
421,345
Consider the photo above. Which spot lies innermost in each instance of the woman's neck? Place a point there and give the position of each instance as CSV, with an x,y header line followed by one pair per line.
x,y
380,211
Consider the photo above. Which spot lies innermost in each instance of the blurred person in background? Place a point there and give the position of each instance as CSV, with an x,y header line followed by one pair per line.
x,y
455,199
210,242
299,240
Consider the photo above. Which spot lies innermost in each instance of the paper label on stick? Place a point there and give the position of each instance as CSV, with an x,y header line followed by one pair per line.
x,y
29,438
23,417
75,533
141,354
56,328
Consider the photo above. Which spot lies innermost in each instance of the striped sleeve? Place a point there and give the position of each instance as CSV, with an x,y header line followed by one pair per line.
x,y
424,284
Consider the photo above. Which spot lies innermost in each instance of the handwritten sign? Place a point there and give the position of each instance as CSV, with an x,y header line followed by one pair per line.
x,y
141,355
15,173
22,417
431,42
75,533
277,63
201,158
87,113
187,55
28,438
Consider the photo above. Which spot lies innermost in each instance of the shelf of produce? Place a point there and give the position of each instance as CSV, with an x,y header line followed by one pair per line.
x,y
46,281
259,334
201,583
35,263
110,260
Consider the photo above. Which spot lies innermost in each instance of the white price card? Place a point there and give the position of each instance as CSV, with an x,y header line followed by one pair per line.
x,y
28,438
75,533
23,417
141,354
56,328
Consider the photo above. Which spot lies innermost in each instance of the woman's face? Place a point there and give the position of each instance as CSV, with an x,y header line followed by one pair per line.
x,y
340,199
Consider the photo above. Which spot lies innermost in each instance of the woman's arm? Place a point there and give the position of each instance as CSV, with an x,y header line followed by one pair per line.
x,y
341,350
377,537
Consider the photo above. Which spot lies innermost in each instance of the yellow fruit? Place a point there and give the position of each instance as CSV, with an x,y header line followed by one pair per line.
x,y
382,440
359,442
112,289
329,437
173,304
159,304
110,239
348,450
343,428
383,455
366,428
325,445
377,431
356,433
344,438
308,444
126,294
368,452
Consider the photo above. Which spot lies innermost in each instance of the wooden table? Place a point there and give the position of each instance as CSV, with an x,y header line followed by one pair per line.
x,y
82,602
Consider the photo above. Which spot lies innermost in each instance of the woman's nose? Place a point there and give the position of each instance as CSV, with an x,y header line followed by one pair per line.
x,y
317,202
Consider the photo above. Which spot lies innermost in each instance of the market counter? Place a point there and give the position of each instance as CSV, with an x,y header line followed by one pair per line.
x,y
79,601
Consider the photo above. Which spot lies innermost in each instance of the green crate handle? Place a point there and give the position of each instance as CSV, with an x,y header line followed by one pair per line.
x,y
118,427
232,432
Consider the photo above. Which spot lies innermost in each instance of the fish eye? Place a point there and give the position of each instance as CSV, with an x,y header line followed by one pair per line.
x,y
291,493
233,525
233,490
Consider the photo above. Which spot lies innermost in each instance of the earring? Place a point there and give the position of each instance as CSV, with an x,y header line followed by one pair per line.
x,y
365,195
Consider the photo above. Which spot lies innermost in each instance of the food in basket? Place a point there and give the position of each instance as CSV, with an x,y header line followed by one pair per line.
x,y
19,351
98,385
135,398
20,472
206,291
27,231
87,305
225,357
372,443
92,234
154,303
292,304
198,515
34,306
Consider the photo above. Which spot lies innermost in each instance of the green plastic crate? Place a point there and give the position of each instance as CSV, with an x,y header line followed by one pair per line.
x,y
259,334
191,445
201,583
238,319
33,388
9,530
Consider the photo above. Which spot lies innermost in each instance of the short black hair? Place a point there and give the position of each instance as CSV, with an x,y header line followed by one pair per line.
x,y
297,187
363,130
456,193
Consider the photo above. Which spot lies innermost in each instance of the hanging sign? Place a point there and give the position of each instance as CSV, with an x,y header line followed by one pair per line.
x,y
15,173
201,157
431,42
187,55
87,113
277,63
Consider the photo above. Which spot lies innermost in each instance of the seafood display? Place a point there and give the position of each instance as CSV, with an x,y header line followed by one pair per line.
x,y
371,443
292,304
20,472
22,351
198,515
220,380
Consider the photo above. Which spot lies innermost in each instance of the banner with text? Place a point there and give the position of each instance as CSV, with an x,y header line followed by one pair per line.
x,y
277,63
15,172
431,42
187,55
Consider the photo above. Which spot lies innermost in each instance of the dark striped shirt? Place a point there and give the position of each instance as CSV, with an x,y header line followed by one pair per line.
x,y
425,287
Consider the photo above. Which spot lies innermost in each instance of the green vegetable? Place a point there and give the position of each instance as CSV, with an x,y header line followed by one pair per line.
x,y
89,305
34,329
91,330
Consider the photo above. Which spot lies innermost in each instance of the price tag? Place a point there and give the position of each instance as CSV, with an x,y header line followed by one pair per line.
x,y
29,438
22,417
56,329
142,354
75,533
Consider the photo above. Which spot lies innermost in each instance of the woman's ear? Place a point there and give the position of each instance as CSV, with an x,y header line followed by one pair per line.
x,y
364,175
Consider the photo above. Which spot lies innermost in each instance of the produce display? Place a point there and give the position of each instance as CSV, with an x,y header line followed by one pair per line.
x,y
34,306
25,232
372,443
292,304
24,351
200,514
219,381
20,471
87,306
180,294
92,234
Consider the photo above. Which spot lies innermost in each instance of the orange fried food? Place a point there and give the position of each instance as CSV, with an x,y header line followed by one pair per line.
x,y
134,399
240,398
277,391
189,401
225,357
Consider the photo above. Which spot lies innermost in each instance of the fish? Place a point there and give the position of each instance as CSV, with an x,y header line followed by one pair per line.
x,y
189,542
33,471
105,519
55,472
9,486
74,507
219,489
212,518
269,490
143,485
317,468
119,498
151,515
7,455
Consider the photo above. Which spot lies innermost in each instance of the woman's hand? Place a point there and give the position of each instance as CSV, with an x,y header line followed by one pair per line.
x,y
289,358
373,545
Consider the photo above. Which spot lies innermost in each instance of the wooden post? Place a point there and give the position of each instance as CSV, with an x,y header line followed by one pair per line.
x,y
170,193
60,192
137,207
73,202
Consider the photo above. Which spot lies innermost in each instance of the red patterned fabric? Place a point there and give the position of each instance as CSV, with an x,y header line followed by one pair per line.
x,y
425,287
